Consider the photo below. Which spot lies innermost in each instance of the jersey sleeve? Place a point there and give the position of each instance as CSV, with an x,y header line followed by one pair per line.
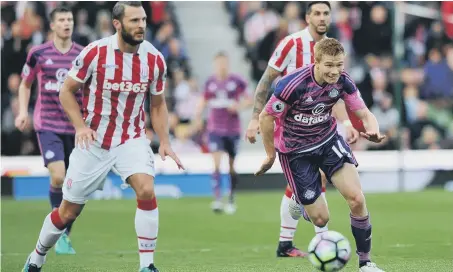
x,y
351,94
83,65
31,66
281,56
160,76
283,97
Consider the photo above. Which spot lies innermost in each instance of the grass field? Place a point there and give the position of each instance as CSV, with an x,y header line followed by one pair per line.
x,y
411,232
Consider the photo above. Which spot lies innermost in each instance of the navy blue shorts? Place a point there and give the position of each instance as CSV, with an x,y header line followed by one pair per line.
x,y
229,144
302,169
55,147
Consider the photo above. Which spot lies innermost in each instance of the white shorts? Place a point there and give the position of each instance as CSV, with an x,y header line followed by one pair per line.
x,y
88,169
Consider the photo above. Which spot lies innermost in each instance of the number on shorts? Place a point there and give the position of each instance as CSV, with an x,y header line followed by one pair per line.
x,y
340,151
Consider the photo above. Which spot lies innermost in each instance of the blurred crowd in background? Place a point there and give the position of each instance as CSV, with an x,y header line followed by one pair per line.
x,y
425,81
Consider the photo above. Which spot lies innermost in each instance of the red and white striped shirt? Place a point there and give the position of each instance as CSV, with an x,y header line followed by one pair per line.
x,y
115,88
293,52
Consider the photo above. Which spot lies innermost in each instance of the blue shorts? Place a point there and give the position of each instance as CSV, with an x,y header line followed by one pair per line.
x,y
229,144
302,169
55,147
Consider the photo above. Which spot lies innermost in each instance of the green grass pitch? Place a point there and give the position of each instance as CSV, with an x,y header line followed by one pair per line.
x,y
411,232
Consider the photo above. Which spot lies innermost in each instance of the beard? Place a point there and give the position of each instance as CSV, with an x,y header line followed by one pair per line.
x,y
319,32
128,38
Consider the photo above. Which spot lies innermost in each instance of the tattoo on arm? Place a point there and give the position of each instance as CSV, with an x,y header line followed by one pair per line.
x,y
262,91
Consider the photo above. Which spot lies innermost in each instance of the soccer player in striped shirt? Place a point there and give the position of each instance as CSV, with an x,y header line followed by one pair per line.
x,y
307,140
116,75
295,51
50,62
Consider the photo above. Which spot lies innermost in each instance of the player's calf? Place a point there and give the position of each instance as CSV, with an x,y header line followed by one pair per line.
x,y
53,227
146,218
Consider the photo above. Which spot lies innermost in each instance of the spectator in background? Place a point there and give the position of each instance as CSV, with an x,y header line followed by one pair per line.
x,y
292,16
344,29
176,60
420,123
447,15
83,33
103,24
162,38
185,97
438,82
266,47
388,118
258,25
375,35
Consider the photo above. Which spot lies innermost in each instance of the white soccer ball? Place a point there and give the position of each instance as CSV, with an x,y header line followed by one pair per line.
x,y
329,251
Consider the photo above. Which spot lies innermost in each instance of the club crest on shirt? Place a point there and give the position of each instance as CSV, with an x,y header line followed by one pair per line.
x,y
61,74
333,93
278,106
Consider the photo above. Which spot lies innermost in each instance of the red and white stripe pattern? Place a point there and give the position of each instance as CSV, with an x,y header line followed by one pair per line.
x,y
115,88
293,52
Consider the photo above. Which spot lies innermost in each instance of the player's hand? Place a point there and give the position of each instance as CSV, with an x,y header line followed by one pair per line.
x,y
352,135
85,137
374,137
165,150
21,121
252,130
267,164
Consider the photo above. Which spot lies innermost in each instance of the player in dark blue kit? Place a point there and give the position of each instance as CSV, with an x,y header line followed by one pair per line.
x,y
306,139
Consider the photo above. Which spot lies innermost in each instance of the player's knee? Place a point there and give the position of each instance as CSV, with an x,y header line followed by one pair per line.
x,y
321,220
356,201
69,215
57,179
145,191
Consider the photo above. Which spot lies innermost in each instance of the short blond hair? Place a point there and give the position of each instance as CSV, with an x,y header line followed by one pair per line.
x,y
328,46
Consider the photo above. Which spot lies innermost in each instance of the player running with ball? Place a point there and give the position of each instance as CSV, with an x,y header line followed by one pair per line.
x,y
307,140
116,73
293,52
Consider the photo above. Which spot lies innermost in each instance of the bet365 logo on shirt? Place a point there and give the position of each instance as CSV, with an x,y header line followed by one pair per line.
x,y
125,86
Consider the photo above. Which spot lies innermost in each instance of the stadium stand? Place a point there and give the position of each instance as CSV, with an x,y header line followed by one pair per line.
x,y
365,29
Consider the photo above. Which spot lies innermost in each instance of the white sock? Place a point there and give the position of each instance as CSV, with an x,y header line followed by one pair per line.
x,y
287,224
48,237
146,226
319,230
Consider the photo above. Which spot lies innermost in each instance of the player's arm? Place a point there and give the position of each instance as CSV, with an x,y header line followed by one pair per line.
x,y
355,103
277,63
82,69
158,105
69,103
159,112
340,113
267,131
262,90
29,71
276,108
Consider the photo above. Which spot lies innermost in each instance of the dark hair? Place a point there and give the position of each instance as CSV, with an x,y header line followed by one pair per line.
x,y
58,10
120,6
310,4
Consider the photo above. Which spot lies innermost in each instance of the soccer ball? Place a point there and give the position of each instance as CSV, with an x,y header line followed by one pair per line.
x,y
329,251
